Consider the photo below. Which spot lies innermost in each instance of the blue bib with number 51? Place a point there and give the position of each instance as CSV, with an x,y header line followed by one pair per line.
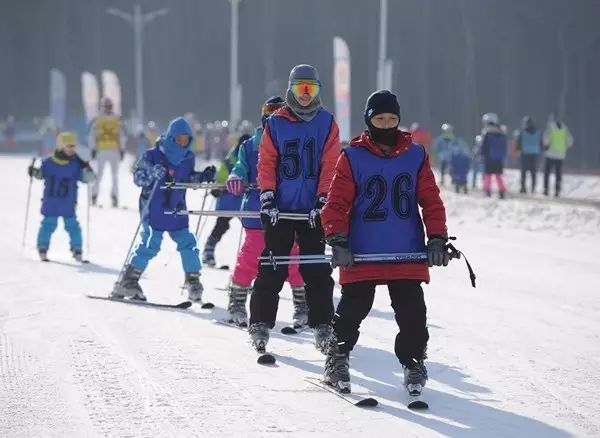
x,y
385,216
300,146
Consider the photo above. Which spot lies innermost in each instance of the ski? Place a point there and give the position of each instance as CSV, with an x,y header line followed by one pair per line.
x,y
182,305
416,403
226,322
265,359
353,399
290,330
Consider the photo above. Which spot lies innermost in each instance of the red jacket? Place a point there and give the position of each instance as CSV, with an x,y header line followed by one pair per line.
x,y
336,213
268,157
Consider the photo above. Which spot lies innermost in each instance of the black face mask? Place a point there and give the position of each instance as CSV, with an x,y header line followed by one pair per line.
x,y
386,136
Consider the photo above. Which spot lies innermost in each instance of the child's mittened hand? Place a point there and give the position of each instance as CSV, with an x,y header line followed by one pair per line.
x,y
235,185
88,175
159,171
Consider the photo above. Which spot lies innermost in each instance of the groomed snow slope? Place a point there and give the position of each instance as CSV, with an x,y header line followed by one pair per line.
x,y
517,357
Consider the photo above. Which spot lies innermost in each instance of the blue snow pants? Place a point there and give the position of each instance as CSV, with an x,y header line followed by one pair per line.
x,y
48,226
151,240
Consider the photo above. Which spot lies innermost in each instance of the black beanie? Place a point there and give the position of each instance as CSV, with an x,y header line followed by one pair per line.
x,y
382,101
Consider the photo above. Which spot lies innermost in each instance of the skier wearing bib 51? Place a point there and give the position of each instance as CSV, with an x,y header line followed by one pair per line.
x,y
297,154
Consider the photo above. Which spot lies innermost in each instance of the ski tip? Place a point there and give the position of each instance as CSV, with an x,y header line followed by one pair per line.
x,y
418,405
266,359
184,305
207,306
368,402
289,330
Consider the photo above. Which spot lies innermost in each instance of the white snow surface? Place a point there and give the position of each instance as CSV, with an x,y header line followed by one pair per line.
x,y
516,357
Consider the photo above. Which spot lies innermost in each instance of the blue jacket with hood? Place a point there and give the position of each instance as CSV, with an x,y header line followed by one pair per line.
x,y
179,162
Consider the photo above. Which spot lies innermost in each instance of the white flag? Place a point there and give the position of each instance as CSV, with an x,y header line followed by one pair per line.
x,y
58,97
90,95
111,88
341,87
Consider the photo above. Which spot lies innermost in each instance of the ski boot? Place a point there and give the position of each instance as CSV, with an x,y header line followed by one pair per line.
x,y
322,333
208,256
502,195
300,316
337,367
43,252
415,377
237,305
94,199
77,255
193,286
129,286
259,336
114,201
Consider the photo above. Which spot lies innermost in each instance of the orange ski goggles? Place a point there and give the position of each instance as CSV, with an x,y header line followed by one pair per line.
x,y
270,108
304,86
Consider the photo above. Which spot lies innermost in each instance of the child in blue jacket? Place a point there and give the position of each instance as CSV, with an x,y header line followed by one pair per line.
x,y
61,171
170,160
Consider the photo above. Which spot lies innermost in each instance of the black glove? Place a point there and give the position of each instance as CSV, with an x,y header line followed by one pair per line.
x,y
437,253
216,193
342,256
209,174
269,213
314,214
34,172
93,154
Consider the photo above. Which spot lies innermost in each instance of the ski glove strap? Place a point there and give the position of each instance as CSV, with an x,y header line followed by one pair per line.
x,y
269,213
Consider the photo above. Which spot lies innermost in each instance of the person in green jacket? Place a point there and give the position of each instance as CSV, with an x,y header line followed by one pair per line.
x,y
557,140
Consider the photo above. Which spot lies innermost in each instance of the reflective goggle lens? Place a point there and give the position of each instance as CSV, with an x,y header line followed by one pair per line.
x,y
270,108
300,88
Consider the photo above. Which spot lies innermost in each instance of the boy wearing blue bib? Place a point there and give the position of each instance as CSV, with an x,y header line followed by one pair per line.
x,y
61,171
170,160
381,184
296,158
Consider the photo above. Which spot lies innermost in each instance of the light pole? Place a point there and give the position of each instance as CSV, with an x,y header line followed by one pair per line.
x,y
137,21
384,65
235,89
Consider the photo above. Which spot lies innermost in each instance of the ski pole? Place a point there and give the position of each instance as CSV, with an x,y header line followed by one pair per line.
x,y
89,201
237,213
27,206
143,214
212,206
196,186
400,257
201,208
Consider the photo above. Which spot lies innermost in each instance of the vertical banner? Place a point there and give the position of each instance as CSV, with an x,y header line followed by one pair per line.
x,y
90,95
112,89
58,97
341,87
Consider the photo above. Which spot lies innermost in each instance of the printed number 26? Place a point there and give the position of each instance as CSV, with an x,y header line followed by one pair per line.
x,y
376,189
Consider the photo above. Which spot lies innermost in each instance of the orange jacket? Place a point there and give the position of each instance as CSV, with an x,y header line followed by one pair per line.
x,y
336,213
268,157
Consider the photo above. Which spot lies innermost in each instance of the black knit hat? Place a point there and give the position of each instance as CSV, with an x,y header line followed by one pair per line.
x,y
381,101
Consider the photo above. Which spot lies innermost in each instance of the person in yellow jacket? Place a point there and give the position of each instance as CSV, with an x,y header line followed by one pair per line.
x,y
557,140
107,144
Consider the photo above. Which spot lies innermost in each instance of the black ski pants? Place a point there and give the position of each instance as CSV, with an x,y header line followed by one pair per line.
x,y
549,164
220,228
317,277
410,313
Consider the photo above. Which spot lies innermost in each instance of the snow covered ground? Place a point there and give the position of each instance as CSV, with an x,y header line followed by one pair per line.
x,y
518,356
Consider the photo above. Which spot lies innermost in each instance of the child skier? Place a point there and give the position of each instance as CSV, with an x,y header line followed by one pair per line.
x,y
60,173
170,160
494,149
460,162
297,155
246,267
372,207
